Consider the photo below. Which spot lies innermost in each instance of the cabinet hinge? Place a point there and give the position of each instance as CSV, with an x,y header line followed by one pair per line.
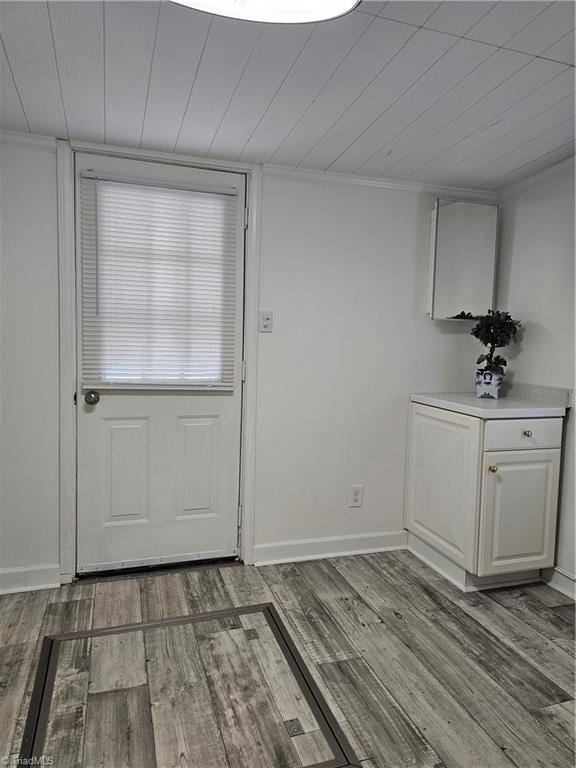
x,y
75,398
246,217
243,370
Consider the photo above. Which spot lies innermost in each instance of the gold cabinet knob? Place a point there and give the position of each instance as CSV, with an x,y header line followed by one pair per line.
x,y
527,433
493,468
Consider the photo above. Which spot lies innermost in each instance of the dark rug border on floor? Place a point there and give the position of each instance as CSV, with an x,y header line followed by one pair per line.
x,y
36,722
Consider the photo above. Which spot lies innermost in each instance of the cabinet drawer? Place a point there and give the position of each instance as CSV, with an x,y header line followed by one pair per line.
x,y
517,434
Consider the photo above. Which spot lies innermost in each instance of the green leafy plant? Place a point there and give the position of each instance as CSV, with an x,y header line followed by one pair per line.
x,y
463,316
495,330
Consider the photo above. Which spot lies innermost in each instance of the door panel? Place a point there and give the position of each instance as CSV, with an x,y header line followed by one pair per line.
x,y
158,469
197,437
519,505
125,453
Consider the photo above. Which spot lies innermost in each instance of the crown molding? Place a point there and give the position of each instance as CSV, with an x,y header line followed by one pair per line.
x,y
27,141
566,164
344,179
287,173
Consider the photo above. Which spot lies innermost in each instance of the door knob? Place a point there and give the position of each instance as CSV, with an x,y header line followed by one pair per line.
x,y
91,397
493,468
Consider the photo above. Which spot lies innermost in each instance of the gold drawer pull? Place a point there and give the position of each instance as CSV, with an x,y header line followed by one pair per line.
x,y
493,468
527,433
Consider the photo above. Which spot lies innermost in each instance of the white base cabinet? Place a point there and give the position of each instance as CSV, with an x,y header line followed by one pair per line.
x,y
483,493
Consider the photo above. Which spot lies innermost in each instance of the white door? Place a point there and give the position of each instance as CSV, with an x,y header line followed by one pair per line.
x,y
518,516
160,253
442,481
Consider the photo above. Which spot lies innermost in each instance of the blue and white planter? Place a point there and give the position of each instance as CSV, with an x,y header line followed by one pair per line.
x,y
488,384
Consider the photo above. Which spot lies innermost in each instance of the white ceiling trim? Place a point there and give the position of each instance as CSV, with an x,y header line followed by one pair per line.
x,y
288,173
47,143
27,141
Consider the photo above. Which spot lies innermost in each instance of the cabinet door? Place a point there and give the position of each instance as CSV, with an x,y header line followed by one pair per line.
x,y
518,513
442,482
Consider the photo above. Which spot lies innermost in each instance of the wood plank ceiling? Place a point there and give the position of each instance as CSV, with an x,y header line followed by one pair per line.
x,y
473,94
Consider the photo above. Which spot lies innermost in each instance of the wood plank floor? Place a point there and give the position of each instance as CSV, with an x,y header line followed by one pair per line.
x,y
416,672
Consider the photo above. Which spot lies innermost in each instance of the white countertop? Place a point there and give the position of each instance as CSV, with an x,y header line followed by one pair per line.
x,y
483,408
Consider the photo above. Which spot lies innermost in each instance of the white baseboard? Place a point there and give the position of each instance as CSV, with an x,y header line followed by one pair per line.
x,y
47,576
28,578
561,580
459,576
329,546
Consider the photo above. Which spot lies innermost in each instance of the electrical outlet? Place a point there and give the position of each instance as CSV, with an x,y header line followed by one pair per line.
x,y
265,321
355,495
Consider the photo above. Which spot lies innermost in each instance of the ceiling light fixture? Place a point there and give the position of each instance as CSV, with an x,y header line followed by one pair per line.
x,y
274,11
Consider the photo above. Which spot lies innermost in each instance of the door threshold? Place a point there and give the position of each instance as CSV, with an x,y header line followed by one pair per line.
x,y
150,570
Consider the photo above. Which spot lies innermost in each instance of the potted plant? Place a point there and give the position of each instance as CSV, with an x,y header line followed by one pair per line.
x,y
494,330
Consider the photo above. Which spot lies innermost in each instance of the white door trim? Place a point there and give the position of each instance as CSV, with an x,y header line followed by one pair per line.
x,y
67,337
249,403
67,362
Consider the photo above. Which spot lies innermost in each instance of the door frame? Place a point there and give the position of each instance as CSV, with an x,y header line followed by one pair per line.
x,y
67,449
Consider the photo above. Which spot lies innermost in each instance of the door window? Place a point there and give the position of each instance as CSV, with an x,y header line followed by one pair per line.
x,y
158,286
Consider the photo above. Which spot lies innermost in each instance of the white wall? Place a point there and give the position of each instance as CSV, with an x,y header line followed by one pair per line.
x,y
28,367
344,269
536,284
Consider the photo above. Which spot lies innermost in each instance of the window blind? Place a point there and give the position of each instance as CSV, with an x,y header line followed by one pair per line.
x,y
158,284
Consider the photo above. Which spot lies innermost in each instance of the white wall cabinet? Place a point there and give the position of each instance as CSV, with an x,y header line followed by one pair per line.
x,y
482,486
